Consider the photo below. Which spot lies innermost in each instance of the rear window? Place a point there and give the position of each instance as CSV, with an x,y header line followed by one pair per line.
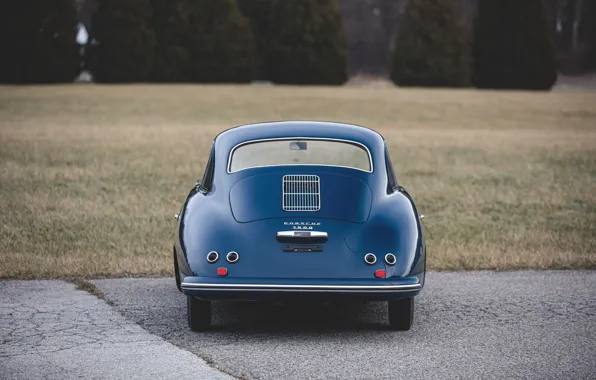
x,y
300,152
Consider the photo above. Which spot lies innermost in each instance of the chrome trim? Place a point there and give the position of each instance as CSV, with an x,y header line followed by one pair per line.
x,y
368,255
232,261
304,288
216,257
304,192
301,233
390,255
370,160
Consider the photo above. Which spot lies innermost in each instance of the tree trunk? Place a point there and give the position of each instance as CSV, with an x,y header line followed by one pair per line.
x,y
576,24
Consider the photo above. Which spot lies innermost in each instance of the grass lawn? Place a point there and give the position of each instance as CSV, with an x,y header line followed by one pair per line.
x,y
91,175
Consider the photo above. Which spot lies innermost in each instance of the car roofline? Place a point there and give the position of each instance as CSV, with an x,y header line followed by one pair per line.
x,y
322,122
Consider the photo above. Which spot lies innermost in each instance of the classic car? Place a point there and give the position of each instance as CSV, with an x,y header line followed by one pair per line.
x,y
299,209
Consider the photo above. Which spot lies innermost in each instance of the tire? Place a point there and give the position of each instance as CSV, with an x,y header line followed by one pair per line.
x,y
401,313
198,313
177,272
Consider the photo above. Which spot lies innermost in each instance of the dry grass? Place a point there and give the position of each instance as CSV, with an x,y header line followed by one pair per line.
x,y
90,288
92,175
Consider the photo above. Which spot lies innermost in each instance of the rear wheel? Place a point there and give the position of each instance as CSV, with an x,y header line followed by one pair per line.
x,y
198,313
177,272
401,313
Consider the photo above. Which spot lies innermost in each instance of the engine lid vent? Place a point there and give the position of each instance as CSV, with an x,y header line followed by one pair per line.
x,y
301,192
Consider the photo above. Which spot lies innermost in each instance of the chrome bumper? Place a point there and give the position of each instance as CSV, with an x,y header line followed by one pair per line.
x,y
226,287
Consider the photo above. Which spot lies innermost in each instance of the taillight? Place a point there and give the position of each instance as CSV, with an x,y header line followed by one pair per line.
x,y
380,273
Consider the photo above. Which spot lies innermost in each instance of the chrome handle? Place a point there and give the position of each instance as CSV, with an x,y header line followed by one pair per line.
x,y
304,234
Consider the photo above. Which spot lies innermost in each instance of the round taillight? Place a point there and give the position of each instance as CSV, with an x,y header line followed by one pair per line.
x,y
390,259
212,257
370,259
232,257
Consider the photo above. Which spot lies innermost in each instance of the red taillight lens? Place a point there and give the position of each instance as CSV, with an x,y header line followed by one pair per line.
x,y
380,273
222,271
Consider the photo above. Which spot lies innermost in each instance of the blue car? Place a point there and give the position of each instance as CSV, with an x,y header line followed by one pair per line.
x,y
299,209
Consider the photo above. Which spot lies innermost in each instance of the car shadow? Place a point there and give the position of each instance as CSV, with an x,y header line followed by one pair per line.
x,y
298,315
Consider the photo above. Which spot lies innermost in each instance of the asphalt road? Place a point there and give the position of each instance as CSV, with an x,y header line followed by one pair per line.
x,y
50,330
537,325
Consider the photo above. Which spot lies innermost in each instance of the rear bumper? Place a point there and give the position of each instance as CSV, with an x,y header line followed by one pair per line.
x,y
218,288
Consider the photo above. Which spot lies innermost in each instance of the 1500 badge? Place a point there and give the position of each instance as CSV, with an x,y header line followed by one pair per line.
x,y
302,225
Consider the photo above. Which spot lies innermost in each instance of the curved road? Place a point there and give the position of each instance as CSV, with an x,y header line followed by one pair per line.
x,y
537,325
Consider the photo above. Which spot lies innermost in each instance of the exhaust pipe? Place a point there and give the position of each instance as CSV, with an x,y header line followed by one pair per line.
x,y
212,257
232,257
390,259
370,259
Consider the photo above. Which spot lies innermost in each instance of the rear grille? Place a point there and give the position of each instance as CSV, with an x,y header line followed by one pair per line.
x,y
301,193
